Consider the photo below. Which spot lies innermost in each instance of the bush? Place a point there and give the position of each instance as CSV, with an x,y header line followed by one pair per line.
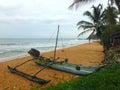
x,y
107,78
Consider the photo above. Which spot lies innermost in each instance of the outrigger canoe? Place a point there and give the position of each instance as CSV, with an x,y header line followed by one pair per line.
x,y
63,65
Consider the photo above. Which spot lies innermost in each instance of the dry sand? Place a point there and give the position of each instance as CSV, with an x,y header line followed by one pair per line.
x,y
85,54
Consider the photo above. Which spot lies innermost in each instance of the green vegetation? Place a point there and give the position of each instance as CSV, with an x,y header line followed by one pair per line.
x,y
96,22
101,23
116,28
76,3
107,78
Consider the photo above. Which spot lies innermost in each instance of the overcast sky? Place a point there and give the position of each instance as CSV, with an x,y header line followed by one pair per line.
x,y
39,18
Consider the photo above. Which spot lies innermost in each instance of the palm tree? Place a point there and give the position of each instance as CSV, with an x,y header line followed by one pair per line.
x,y
111,14
109,22
77,2
95,26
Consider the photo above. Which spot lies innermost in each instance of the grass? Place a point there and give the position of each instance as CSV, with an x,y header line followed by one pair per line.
x,y
107,78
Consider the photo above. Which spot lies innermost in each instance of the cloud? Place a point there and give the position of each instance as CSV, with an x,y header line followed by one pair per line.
x,y
44,18
8,8
33,10
36,11
22,16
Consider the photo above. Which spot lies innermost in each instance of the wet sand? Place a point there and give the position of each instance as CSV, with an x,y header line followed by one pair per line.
x,y
85,54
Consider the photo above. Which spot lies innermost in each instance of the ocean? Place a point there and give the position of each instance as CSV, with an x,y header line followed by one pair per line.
x,y
16,47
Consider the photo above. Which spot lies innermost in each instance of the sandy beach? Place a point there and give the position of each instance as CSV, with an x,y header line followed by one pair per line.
x,y
85,54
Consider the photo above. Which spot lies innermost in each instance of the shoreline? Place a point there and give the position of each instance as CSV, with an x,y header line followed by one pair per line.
x,y
12,58
13,53
85,54
27,55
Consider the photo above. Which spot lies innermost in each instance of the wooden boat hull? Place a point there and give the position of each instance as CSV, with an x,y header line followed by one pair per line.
x,y
67,67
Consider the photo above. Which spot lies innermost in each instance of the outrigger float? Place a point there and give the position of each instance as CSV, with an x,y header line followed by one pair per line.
x,y
32,77
62,65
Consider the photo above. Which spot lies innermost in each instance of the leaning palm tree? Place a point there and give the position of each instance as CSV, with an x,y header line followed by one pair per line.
x,y
77,2
95,26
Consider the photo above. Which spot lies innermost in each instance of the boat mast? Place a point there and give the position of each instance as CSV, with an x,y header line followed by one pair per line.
x,y
56,42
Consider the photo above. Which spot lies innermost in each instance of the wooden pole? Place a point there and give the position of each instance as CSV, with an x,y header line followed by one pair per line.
x,y
56,42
